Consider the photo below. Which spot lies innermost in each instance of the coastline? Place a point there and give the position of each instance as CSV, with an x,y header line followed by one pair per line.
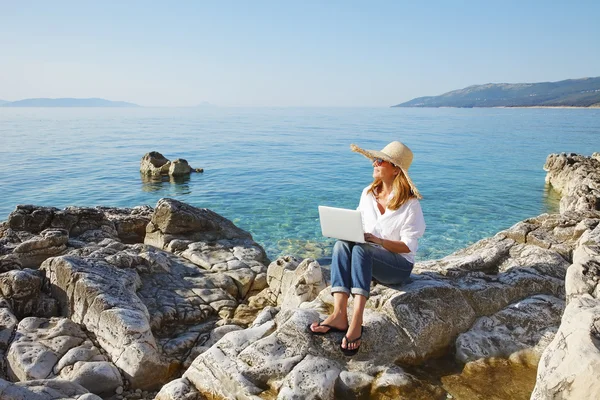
x,y
595,107
165,284
567,107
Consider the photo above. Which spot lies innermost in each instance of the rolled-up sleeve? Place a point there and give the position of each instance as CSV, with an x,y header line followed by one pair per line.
x,y
413,226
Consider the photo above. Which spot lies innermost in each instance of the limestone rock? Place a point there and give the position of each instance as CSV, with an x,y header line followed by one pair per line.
x,y
8,322
103,298
172,303
44,390
50,242
179,389
154,163
406,324
99,377
57,347
577,178
82,223
179,167
130,223
312,378
22,290
31,218
567,365
292,282
173,219
520,326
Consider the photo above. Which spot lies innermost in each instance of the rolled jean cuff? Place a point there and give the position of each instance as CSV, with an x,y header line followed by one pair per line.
x,y
360,291
337,289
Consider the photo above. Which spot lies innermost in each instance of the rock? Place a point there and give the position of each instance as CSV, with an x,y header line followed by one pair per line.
x,y
577,178
22,290
179,167
179,389
517,327
148,308
304,284
57,347
292,282
31,218
103,298
130,223
99,377
8,322
154,163
175,220
407,324
311,378
568,363
50,242
82,223
44,390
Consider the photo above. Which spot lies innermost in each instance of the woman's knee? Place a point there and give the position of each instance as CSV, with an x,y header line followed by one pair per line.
x,y
362,249
341,246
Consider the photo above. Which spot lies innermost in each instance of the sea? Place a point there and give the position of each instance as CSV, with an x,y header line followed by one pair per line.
x,y
268,169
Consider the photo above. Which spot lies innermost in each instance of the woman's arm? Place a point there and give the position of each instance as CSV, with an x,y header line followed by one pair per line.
x,y
395,246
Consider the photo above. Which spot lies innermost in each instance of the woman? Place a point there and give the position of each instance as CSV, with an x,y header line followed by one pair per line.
x,y
393,222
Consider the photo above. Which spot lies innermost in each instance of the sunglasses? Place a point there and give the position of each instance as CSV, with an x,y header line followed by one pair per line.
x,y
378,161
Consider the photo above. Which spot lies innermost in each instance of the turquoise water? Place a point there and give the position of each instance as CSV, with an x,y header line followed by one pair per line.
x,y
480,170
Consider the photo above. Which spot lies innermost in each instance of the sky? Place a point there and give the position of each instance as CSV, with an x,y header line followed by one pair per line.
x,y
288,53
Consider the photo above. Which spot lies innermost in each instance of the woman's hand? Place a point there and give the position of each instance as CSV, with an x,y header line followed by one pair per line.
x,y
369,237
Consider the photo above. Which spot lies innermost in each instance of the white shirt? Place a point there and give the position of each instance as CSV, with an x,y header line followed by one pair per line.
x,y
406,223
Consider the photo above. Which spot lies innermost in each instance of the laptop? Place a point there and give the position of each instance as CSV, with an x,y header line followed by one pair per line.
x,y
341,223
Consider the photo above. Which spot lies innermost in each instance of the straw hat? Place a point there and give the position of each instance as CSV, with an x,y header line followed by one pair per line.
x,y
396,153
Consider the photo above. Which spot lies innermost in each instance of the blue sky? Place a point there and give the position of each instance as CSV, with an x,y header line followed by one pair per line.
x,y
283,53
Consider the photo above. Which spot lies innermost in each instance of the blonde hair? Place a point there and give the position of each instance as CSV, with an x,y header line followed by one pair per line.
x,y
401,188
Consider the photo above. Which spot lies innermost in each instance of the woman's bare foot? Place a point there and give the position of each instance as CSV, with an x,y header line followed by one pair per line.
x,y
338,321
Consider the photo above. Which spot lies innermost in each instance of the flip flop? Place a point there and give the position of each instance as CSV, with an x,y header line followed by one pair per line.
x,y
349,352
331,329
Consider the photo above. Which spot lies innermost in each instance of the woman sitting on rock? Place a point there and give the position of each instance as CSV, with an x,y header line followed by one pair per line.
x,y
393,222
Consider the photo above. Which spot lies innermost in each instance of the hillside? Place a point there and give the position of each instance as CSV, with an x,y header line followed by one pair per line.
x,y
583,92
67,102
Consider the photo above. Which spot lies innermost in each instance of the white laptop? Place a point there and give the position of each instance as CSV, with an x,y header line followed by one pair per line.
x,y
341,223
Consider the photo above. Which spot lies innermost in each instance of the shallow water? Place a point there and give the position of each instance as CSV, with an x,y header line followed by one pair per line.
x,y
267,169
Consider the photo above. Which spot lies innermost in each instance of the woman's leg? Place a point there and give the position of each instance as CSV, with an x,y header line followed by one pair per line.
x,y
341,266
391,269
369,261
340,287
355,328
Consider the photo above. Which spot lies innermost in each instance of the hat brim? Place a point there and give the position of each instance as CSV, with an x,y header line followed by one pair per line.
x,y
373,154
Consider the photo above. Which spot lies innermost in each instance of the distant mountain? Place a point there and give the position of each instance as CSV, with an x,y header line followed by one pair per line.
x,y
67,102
2,102
571,92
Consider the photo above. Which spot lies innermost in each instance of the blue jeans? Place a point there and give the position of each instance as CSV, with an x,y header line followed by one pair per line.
x,y
354,264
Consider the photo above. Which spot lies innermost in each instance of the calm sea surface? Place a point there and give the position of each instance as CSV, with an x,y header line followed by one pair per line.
x,y
479,170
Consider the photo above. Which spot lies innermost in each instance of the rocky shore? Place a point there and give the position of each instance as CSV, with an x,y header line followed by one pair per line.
x,y
176,302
